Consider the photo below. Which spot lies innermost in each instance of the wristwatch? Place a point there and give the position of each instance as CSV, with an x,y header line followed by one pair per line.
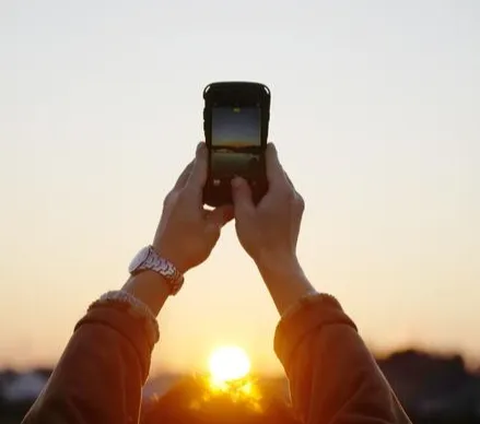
x,y
148,259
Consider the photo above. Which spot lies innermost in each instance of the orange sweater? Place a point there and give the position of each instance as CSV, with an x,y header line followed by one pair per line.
x,y
333,377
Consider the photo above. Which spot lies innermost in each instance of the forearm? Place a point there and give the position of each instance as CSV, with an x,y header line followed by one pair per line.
x,y
101,372
333,377
285,281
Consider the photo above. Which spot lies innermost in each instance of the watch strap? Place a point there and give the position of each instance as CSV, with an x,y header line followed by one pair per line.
x,y
164,267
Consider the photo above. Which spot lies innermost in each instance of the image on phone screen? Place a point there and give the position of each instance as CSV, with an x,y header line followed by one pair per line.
x,y
236,142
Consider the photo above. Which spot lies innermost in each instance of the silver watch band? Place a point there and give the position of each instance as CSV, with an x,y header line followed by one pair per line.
x,y
162,266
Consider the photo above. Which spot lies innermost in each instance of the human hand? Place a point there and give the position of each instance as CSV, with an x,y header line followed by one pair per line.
x,y
187,232
269,231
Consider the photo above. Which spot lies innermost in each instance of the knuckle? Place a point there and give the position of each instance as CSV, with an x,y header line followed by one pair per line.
x,y
300,202
285,191
167,199
171,198
289,193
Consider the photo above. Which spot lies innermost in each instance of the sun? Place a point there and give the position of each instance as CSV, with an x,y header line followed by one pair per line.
x,y
228,363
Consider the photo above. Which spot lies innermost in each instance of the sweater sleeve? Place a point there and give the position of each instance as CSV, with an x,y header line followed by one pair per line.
x,y
333,377
100,375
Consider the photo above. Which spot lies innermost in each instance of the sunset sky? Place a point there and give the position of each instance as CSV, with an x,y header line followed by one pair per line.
x,y
376,115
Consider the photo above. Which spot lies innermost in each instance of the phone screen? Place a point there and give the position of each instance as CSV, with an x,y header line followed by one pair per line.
x,y
236,142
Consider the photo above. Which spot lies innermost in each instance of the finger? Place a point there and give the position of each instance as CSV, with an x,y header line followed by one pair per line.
x,y
242,198
220,216
198,176
275,173
183,178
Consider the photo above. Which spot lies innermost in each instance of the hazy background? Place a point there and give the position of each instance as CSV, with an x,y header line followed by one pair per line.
x,y
375,111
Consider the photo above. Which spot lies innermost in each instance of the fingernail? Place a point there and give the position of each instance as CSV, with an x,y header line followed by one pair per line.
x,y
199,146
236,182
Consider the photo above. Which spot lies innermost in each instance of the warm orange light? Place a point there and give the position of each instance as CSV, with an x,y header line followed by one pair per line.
x,y
230,375
228,363
229,378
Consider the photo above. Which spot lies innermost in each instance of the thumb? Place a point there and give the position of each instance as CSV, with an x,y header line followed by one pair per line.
x,y
242,197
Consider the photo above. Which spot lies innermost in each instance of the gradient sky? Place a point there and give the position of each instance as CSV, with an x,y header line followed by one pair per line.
x,y
241,128
376,114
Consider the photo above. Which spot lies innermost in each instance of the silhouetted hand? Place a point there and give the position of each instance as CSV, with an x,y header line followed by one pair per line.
x,y
187,232
269,231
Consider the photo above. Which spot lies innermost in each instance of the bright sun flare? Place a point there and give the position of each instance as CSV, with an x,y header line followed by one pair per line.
x,y
228,363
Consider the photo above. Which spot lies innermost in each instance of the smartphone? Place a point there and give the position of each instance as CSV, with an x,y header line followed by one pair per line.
x,y
235,122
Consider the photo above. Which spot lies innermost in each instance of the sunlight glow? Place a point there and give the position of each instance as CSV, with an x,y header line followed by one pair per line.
x,y
244,392
228,363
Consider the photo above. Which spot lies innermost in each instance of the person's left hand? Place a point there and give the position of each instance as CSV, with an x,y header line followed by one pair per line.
x,y
187,232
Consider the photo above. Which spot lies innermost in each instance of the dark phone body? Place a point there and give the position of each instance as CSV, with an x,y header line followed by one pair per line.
x,y
235,122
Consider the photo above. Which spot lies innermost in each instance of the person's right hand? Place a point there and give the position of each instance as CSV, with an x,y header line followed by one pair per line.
x,y
269,231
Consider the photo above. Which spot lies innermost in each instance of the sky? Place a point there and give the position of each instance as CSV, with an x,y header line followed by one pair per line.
x,y
241,127
375,113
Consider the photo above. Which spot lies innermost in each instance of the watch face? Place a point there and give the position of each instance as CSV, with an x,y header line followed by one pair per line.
x,y
139,259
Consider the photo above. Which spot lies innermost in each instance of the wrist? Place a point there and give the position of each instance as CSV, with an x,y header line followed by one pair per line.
x,y
274,265
150,288
285,280
171,255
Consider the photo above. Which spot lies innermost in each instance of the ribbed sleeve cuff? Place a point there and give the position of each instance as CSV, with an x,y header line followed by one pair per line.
x,y
311,313
129,324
